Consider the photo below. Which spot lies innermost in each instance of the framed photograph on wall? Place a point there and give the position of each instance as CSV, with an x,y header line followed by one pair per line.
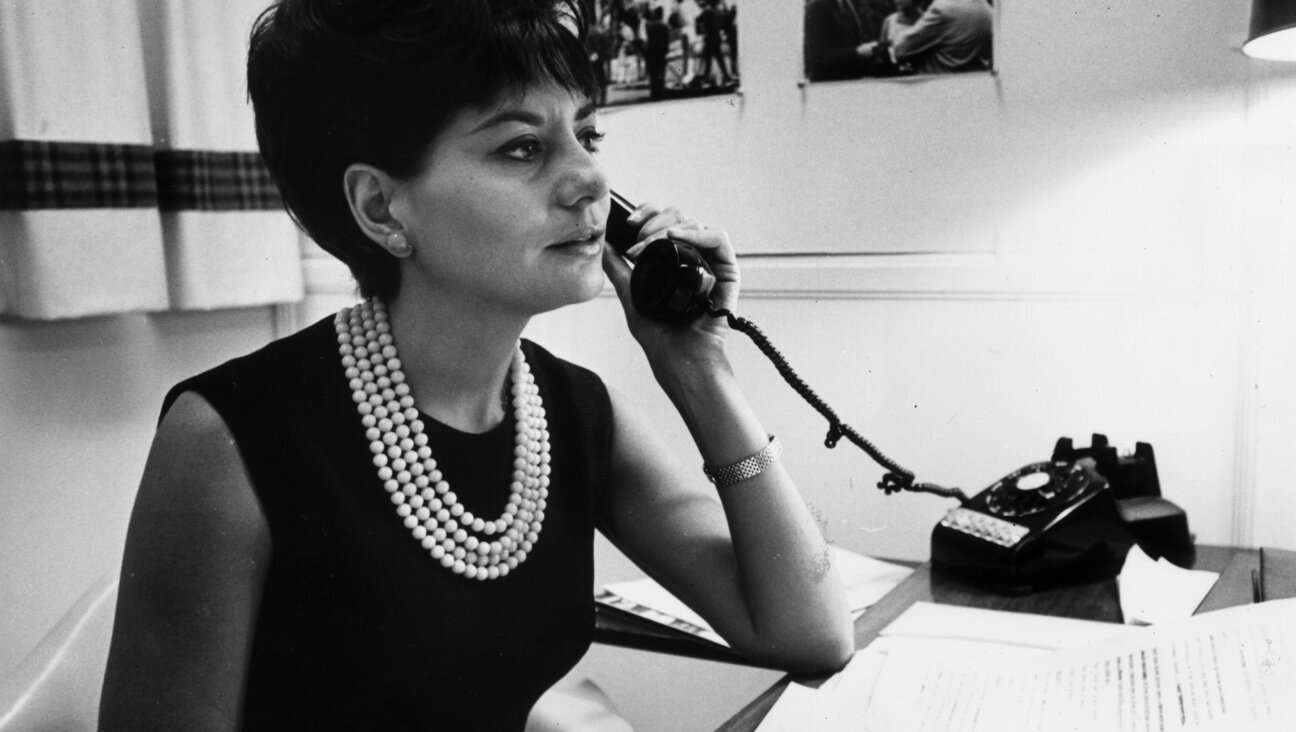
x,y
862,39
658,50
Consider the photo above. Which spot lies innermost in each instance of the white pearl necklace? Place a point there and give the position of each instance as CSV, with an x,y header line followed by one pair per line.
x,y
468,545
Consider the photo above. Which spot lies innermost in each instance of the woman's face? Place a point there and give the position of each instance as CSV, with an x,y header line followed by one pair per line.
x,y
507,212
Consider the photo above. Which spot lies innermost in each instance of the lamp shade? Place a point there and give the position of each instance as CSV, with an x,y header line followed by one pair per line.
x,y
1273,30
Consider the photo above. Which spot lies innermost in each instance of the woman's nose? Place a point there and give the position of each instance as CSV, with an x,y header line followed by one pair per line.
x,y
581,179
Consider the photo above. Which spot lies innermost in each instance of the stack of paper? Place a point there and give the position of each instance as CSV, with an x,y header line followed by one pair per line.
x,y
1231,669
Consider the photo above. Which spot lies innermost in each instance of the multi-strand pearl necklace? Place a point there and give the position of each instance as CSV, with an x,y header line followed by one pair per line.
x,y
469,545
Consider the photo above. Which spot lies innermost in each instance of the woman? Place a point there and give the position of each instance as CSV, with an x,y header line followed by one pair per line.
x,y
386,520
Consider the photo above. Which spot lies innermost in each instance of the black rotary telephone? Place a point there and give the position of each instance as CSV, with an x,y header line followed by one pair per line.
x,y
1069,519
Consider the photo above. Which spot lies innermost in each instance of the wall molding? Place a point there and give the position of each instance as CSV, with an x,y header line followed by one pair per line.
x,y
931,276
959,276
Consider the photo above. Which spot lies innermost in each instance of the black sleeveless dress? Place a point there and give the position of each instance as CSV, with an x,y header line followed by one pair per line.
x,y
359,627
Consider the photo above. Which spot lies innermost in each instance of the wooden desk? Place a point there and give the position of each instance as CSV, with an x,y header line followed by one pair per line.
x,y
1092,601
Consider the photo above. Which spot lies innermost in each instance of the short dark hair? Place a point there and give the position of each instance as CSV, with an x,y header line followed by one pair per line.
x,y
337,82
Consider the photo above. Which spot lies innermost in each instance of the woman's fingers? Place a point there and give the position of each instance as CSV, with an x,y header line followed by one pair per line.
x,y
617,270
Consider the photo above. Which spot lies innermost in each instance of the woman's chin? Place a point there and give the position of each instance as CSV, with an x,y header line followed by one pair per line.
x,y
570,288
589,287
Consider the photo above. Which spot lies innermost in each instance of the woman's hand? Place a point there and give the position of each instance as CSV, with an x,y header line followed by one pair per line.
x,y
678,345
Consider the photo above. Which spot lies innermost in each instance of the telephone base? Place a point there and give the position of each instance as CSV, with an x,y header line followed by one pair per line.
x,y
1089,546
1160,527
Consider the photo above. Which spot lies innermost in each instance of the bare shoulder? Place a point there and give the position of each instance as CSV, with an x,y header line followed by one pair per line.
x,y
195,475
197,550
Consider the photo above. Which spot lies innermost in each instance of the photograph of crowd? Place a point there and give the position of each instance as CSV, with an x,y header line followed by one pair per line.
x,y
854,39
651,50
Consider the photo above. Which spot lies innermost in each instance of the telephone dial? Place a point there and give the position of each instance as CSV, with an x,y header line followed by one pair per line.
x,y
1066,520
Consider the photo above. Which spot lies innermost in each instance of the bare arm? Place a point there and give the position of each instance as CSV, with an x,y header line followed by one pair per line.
x,y
750,557
751,560
196,556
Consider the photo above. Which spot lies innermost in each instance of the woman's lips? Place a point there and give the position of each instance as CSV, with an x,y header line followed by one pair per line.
x,y
585,239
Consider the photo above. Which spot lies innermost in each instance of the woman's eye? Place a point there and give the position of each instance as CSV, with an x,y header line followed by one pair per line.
x,y
591,139
527,149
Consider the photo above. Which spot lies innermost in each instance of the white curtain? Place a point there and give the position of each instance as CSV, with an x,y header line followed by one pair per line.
x,y
80,233
129,178
222,250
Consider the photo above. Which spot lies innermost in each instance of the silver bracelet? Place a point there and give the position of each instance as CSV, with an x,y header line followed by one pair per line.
x,y
748,467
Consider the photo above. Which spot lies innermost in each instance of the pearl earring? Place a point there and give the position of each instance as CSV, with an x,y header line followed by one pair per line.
x,y
398,245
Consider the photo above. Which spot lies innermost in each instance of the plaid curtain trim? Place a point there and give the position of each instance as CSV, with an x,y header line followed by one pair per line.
x,y
37,174
209,180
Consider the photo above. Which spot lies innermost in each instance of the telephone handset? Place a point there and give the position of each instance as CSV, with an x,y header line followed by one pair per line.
x,y
670,280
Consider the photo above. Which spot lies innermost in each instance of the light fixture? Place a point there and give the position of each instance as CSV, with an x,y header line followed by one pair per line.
x,y
1273,30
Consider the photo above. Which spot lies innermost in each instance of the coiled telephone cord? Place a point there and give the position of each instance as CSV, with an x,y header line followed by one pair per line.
x,y
896,478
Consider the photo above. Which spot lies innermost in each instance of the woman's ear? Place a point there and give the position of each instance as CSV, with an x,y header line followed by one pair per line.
x,y
369,194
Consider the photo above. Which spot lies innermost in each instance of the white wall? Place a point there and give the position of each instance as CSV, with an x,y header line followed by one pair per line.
x,y
951,163
79,402
1122,271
